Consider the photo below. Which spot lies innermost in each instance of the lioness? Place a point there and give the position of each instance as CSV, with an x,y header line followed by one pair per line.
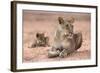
x,y
65,40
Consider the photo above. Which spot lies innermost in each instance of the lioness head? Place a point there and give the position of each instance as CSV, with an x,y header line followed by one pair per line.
x,y
64,23
66,26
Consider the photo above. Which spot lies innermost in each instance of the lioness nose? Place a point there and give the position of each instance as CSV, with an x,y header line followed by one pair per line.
x,y
65,34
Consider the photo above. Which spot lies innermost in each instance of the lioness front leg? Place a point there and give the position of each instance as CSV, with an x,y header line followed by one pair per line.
x,y
63,53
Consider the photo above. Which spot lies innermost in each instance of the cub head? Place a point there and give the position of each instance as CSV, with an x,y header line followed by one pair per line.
x,y
40,36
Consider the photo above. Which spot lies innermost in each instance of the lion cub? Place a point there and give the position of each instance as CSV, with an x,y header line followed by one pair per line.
x,y
41,40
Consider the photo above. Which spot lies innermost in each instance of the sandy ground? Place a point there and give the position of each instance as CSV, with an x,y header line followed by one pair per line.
x,y
34,22
36,55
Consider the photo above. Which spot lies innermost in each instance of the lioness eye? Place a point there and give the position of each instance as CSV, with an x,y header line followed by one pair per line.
x,y
67,25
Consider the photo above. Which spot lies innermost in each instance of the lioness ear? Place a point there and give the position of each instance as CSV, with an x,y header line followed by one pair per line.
x,y
61,21
71,20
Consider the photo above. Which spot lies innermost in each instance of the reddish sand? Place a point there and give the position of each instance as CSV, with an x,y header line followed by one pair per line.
x,y
34,22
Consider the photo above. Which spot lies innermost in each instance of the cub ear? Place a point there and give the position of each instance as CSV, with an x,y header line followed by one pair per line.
x,y
42,34
37,35
61,21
